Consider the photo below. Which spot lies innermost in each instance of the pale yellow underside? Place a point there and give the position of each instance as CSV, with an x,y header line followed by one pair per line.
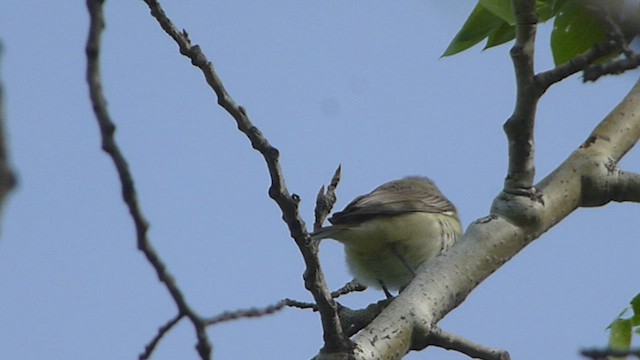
x,y
369,246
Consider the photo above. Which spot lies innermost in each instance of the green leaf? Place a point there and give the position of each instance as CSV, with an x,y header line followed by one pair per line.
x,y
480,23
575,30
544,9
500,8
501,35
635,305
620,334
557,5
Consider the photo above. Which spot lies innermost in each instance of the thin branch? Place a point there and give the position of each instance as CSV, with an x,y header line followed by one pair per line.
x,y
300,304
7,177
109,145
614,43
449,341
579,63
326,200
162,331
334,339
602,354
519,127
593,73
248,313
351,286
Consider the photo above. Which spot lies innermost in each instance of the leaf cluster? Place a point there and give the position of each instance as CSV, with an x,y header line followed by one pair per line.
x,y
575,29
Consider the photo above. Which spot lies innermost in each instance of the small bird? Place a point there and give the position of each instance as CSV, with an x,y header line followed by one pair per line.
x,y
390,231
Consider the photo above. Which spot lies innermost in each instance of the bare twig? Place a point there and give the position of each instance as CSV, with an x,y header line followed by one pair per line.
x,y
301,304
247,313
449,341
164,329
594,72
351,286
109,145
334,338
326,200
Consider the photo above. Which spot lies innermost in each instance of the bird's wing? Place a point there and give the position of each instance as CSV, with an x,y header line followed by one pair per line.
x,y
395,198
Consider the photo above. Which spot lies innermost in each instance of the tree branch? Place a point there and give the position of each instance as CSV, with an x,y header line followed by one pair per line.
x,y
334,338
7,177
109,145
162,331
626,188
443,283
326,200
449,341
593,73
602,354
519,127
579,63
614,43
351,286
251,312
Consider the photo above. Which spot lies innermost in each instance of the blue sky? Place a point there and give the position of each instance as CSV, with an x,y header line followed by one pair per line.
x,y
354,83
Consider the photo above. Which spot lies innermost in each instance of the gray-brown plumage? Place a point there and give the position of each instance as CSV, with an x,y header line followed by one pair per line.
x,y
390,231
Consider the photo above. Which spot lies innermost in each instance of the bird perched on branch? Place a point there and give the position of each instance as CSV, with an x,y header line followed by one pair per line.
x,y
390,231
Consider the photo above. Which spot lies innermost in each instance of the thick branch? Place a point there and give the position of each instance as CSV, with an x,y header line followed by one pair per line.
x,y
109,145
443,284
334,338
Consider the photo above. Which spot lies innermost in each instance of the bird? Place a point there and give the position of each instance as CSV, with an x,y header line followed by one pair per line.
x,y
388,233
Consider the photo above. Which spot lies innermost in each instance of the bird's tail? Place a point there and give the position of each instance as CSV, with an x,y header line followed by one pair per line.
x,y
325,232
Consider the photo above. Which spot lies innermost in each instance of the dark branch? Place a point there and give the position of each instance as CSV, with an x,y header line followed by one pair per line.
x,y
109,145
351,286
249,313
326,200
334,339
593,73
148,350
614,44
579,63
7,177
355,320
602,354
300,304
